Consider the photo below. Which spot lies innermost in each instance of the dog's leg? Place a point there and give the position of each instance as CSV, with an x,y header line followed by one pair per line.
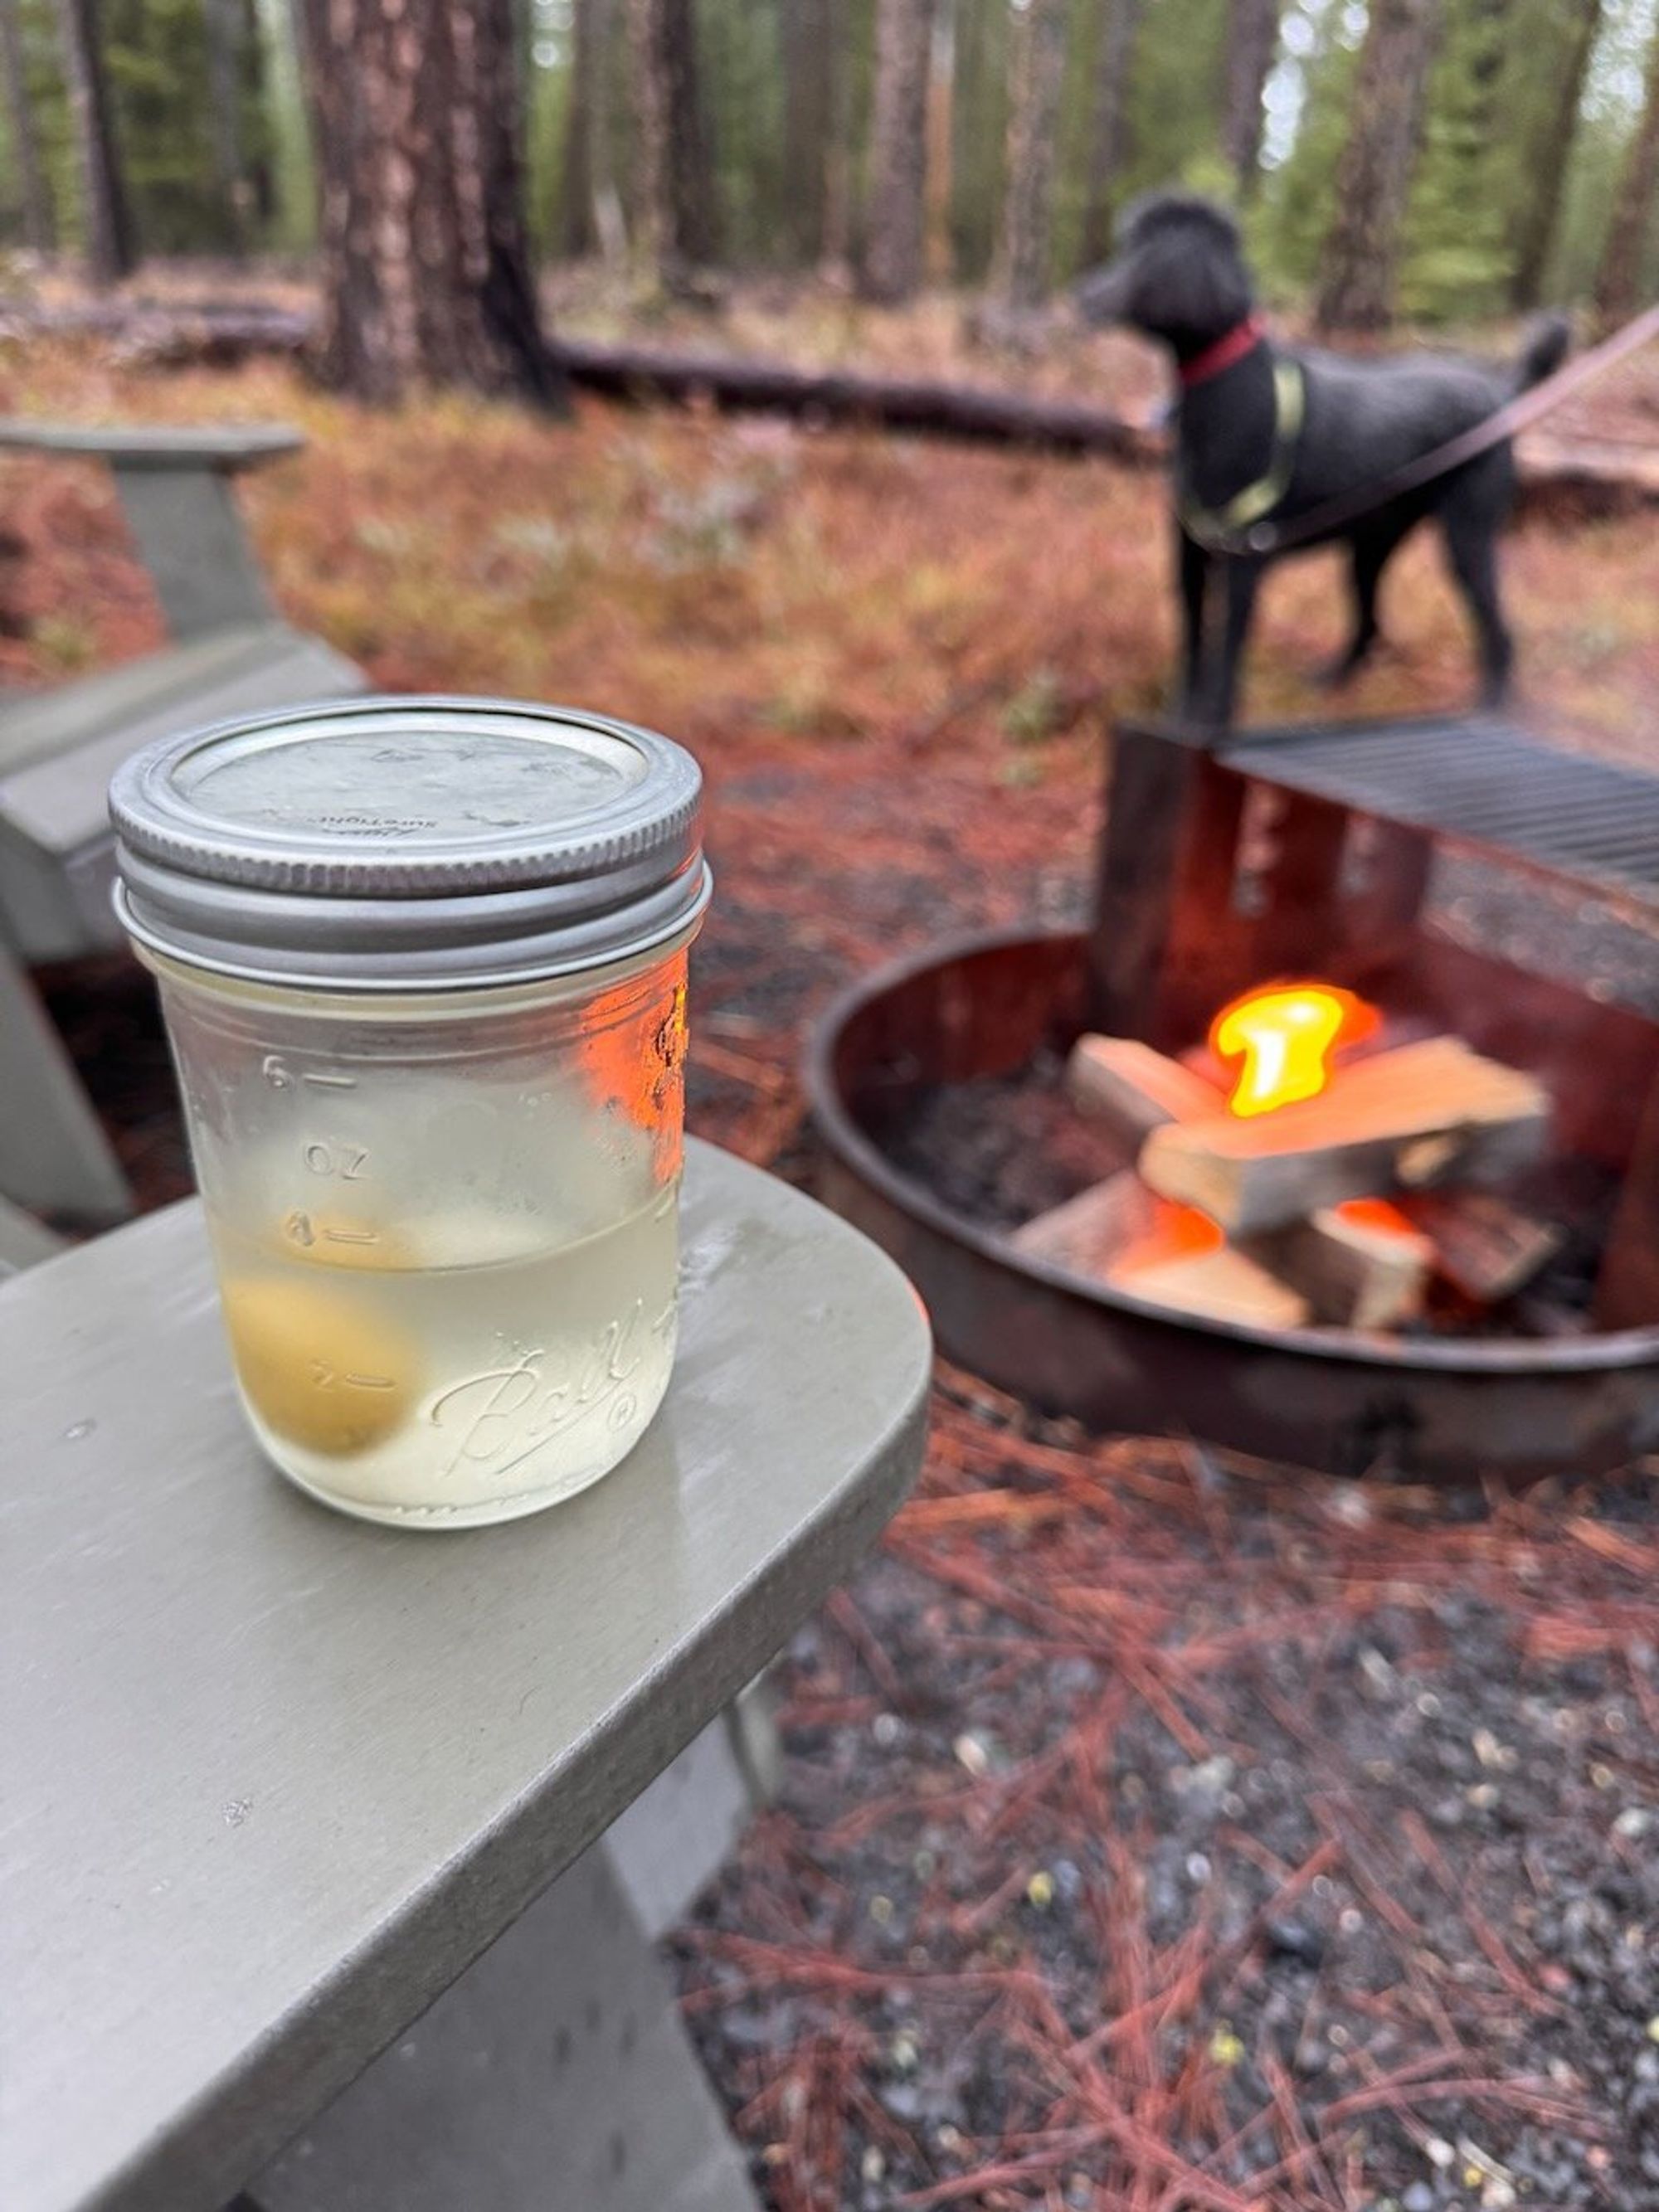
x,y
1477,499
1212,706
1369,555
1194,570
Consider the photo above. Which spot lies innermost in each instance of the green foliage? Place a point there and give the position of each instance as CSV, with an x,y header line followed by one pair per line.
x,y
1076,103
551,54
740,50
49,102
979,128
1314,85
156,54
292,228
1175,95
1458,257
1608,121
1036,710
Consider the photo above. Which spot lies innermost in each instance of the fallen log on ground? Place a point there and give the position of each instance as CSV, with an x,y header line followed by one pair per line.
x,y
1596,476
976,414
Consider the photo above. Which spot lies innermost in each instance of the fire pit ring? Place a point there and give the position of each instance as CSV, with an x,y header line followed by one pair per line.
x,y
1449,1409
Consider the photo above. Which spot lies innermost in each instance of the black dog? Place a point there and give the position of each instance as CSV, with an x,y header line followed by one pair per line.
x,y
1267,432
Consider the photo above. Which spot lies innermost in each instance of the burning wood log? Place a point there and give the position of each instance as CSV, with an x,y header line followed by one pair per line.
x,y
1484,1246
1215,1282
1119,1233
1359,1264
1134,1090
1404,1119
1089,1232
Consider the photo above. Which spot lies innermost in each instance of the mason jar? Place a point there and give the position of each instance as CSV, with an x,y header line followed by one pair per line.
x,y
422,964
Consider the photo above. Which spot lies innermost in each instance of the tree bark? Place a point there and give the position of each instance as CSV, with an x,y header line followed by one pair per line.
x,y
1541,209
836,244
898,151
111,248
1039,62
1618,281
809,65
576,233
676,187
938,182
1252,42
39,230
223,22
426,271
1385,131
259,94
1108,129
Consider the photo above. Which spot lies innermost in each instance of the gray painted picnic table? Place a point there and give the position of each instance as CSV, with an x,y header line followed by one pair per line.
x,y
274,1778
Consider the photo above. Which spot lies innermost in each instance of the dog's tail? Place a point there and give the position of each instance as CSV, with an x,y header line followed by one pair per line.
x,y
1545,350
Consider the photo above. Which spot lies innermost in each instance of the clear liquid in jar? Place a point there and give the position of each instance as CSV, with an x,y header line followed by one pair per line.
x,y
465,1375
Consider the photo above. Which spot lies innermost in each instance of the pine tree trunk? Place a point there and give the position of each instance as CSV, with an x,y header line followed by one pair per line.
x,y
835,241
39,230
1252,42
809,92
111,250
937,183
426,271
898,151
1385,129
575,233
1109,129
1547,172
1039,63
676,187
258,94
1618,281
222,20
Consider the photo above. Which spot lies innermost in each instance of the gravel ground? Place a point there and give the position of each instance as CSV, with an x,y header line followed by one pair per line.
x,y
1160,1833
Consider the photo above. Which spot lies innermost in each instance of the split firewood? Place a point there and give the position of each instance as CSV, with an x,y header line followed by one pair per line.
x,y
1408,1118
1359,1264
1089,1232
1118,1233
1484,1246
1217,1282
1134,1090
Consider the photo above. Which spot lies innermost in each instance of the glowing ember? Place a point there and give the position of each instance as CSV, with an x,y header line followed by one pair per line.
x,y
1283,1038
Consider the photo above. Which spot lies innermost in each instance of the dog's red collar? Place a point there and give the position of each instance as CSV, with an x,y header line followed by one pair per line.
x,y
1232,345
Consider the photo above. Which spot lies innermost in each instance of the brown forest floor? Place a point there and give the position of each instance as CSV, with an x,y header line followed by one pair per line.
x,y
1155,1833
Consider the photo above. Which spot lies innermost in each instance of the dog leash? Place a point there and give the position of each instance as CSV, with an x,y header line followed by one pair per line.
x,y
1255,534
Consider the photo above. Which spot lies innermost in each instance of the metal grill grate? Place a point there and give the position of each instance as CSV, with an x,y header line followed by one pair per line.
x,y
1478,781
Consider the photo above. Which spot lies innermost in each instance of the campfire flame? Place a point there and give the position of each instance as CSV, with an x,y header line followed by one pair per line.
x,y
1283,1038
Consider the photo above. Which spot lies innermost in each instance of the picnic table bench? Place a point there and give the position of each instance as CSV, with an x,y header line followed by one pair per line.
x,y
276,1779
229,654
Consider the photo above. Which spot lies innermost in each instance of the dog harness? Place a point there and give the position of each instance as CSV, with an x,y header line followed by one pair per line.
x,y
1232,528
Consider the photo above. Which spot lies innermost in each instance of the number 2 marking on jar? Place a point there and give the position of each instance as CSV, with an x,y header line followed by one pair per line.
x,y
346,1161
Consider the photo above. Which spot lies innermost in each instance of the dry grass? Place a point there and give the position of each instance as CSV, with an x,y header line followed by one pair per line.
x,y
737,579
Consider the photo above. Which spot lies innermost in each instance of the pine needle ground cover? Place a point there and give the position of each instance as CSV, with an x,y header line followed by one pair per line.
x,y
1156,1832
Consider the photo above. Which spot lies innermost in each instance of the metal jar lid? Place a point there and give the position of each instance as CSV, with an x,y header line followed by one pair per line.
x,y
409,844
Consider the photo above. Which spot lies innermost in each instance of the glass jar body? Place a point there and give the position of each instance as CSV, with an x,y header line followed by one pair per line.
x,y
445,1226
